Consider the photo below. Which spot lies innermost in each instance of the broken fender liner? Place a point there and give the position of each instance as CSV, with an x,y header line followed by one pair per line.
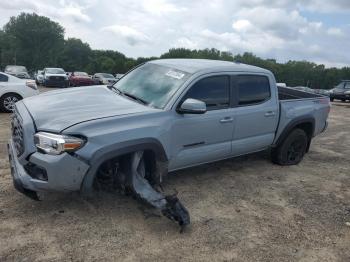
x,y
170,206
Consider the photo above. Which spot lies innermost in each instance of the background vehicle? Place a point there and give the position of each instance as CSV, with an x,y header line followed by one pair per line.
x,y
162,116
55,77
39,78
341,91
321,92
118,76
104,78
80,79
13,89
17,71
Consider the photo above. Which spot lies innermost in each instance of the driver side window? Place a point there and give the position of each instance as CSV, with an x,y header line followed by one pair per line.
x,y
214,91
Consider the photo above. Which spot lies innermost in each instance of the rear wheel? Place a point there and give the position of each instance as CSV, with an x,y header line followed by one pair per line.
x,y
7,102
292,150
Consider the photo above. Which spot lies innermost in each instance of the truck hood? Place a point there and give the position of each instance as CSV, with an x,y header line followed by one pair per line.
x,y
55,111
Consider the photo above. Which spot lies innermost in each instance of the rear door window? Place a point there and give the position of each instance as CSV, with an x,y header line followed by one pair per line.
x,y
252,89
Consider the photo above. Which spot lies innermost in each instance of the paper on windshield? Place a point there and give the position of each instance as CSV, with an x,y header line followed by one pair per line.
x,y
175,74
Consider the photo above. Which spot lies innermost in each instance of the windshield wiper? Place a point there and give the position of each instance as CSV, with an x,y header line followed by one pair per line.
x,y
128,95
135,98
116,89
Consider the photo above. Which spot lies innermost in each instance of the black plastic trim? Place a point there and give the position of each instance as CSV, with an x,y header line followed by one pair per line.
x,y
119,149
307,119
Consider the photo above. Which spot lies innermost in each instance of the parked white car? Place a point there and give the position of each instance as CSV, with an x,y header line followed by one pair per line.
x,y
55,77
13,89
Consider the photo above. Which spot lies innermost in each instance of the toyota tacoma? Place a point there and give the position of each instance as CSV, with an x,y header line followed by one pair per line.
x,y
162,116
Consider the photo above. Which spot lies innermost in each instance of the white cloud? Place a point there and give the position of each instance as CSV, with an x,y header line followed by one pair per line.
x,y
186,43
242,25
131,35
76,13
161,7
333,31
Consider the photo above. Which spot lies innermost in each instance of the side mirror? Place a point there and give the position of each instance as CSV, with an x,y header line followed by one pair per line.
x,y
192,106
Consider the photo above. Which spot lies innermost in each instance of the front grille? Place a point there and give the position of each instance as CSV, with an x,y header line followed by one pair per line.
x,y
17,133
57,78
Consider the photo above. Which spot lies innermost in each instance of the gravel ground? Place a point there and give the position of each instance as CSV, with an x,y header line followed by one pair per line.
x,y
243,209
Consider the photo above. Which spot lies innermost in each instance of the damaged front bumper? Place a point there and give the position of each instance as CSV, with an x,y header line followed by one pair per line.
x,y
19,175
63,173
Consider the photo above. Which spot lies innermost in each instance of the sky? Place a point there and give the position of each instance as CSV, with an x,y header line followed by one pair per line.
x,y
313,30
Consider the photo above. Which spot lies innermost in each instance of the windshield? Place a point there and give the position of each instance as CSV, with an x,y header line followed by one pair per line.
x,y
152,83
55,71
16,69
80,74
107,75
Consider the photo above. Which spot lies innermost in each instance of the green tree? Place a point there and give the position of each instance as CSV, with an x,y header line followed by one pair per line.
x,y
75,56
34,40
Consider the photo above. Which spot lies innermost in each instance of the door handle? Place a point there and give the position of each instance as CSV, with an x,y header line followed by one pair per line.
x,y
226,120
270,114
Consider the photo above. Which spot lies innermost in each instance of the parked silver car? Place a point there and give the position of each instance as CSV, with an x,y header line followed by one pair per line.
x,y
17,71
104,78
39,77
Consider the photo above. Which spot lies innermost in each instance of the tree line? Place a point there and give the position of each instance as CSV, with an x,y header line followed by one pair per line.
x,y
37,42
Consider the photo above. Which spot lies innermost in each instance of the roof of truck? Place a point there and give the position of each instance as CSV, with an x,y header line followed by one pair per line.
x,y
198,65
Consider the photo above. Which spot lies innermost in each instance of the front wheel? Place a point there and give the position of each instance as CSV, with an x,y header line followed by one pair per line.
x,y
292,150
8,101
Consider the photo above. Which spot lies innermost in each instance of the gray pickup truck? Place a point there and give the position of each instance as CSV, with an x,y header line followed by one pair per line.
x,y
162,116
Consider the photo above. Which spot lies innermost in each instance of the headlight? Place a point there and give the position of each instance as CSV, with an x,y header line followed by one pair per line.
x,y
47,77
347,92
31,84
53,144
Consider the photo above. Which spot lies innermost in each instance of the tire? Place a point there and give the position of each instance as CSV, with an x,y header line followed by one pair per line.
x,y
292,150
343,100
8,101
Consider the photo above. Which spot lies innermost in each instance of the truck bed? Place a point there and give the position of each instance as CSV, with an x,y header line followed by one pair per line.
x,y
294,104
285,93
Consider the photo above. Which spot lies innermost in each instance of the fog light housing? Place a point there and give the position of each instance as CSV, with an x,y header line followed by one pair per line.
x,y
36,171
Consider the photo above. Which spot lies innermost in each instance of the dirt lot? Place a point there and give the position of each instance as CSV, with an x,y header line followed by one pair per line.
x,y
244,209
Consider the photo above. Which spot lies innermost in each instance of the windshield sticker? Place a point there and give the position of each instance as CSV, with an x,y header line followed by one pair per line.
x,y
175,74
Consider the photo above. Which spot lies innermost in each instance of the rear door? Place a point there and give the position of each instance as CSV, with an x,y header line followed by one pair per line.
x,y
256,113
205,137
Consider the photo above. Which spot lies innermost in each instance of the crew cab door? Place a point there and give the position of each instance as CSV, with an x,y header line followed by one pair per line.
x,y
200,138
256,113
